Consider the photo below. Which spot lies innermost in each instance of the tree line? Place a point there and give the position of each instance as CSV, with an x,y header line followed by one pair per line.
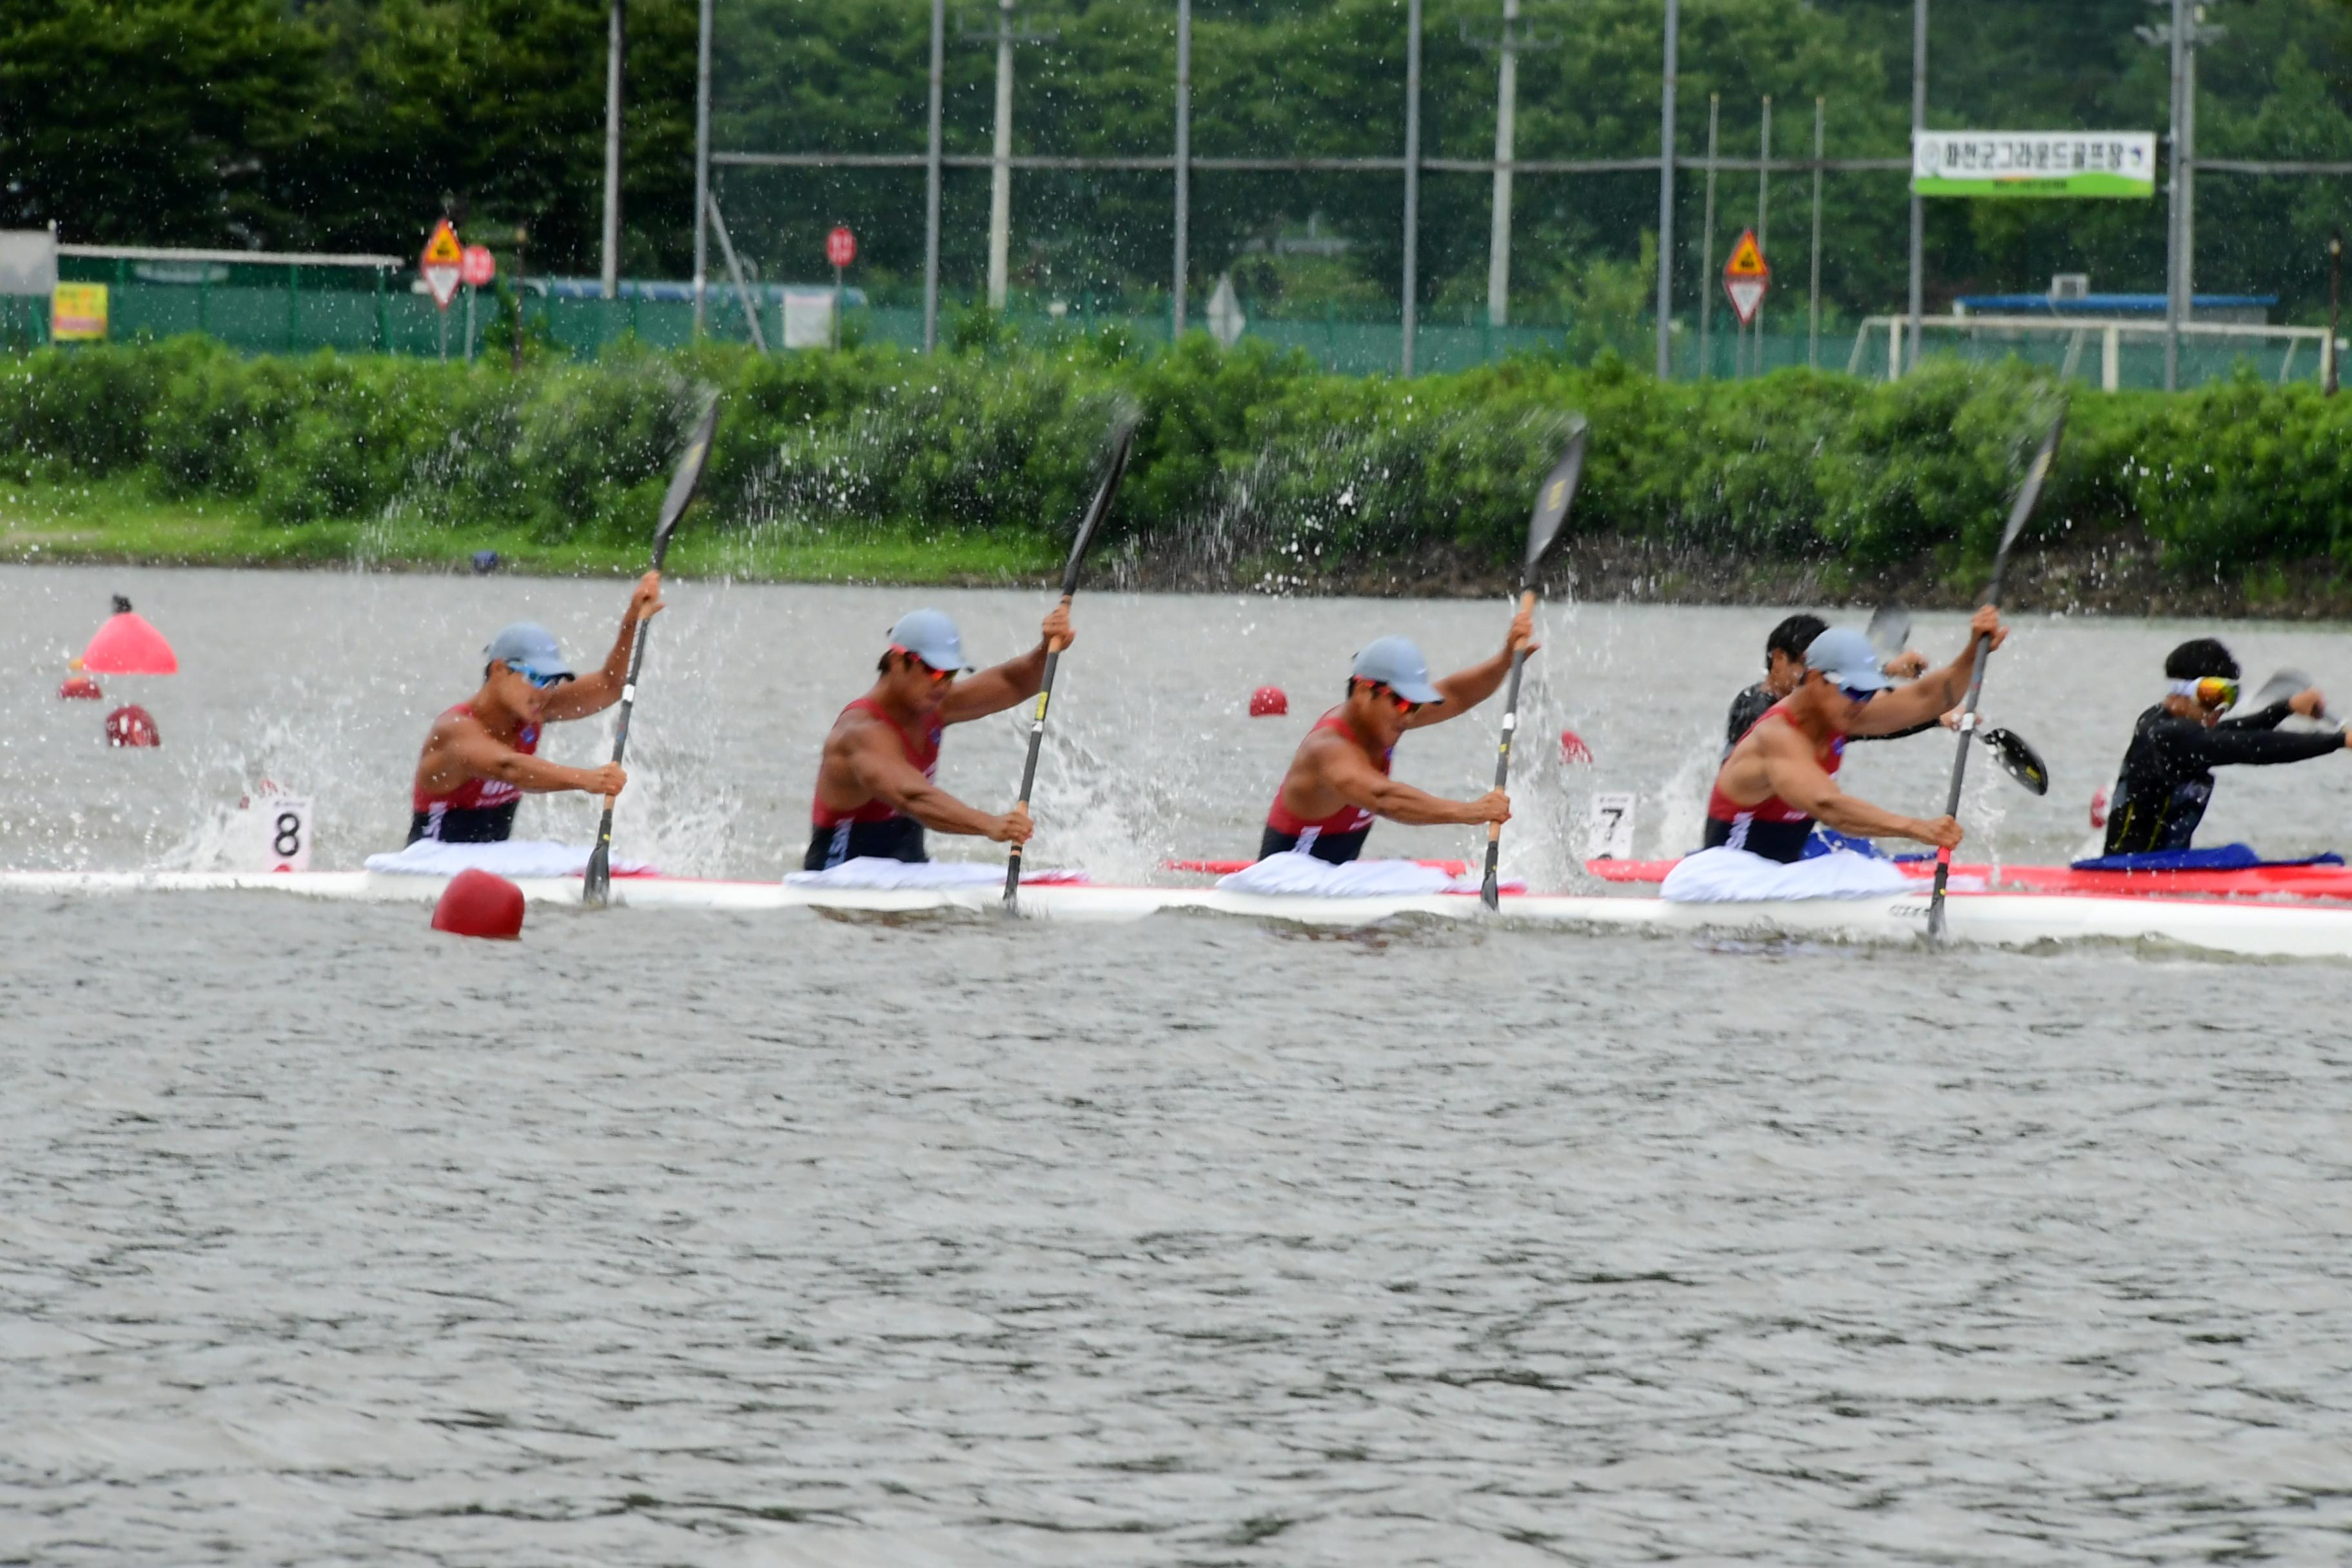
x,y
351,124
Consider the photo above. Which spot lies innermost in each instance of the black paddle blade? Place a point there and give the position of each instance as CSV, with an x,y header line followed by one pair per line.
x,y
1553,501
1122,447
689,475
2018,760
1890,630
2037,473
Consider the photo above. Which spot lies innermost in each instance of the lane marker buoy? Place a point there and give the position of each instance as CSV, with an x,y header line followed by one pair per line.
x,y
131,725
1269,703
2099,809
479,903
1572,748
78,686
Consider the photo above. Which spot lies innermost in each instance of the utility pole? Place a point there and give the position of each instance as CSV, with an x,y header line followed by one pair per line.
x,y
1763,232
1183,162
615,50
701,168
1508,45
999,172
1411,178
1707,280
932,182
2334,290
2173,303
1813,313
1666,192
1918,207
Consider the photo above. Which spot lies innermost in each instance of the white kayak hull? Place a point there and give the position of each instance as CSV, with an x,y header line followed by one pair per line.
x,y
1998,920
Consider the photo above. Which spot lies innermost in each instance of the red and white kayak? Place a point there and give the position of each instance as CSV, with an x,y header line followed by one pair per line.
x,y
2283,929
2253,882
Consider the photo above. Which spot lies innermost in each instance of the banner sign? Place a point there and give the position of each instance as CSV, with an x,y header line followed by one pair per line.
x,y
78,313
2033,163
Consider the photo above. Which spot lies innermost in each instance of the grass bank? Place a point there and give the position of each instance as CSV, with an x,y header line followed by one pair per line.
x,y
1251,470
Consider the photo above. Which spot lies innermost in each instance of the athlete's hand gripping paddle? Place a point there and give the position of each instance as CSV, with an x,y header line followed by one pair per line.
x,y
1122,444
1552,502
2027,495
597,887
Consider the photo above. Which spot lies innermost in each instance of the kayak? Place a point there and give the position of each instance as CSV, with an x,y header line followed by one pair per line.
x,y
2253,882
1995,920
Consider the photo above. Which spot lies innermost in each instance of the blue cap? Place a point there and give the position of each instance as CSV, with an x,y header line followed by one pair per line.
x,y
528,646
1847,658
930,636
1396,664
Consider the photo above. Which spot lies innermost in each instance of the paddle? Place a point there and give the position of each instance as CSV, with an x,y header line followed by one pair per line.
x,y
1890,634
1122,444
597,885
2286,683
2028,494
1543,531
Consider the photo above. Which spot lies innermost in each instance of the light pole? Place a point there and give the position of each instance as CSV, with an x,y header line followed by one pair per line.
x,y
1666,193
615,50
2335,290
1918,207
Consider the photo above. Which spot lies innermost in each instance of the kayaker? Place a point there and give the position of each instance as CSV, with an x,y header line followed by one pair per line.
x,y
1781,775
480,760
875,786
2167,773
1339,780
1784,666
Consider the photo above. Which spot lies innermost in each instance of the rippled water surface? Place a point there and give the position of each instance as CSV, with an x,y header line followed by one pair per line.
x,y
665,1237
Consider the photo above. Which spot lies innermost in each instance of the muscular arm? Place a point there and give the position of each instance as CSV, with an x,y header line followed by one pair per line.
x,y
1343,770
460,749
600,689
881,769
2223,745
2269,718
1463,689
1789,768
995,690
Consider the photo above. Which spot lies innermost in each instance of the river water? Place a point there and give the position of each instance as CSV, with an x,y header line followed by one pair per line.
x,y
672,1237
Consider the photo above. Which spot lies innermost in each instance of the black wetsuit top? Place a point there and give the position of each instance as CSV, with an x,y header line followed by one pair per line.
x,y
2167,774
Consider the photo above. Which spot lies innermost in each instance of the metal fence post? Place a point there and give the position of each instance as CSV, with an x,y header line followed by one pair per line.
x,y
701,166
1183,160
1666,193
1813,311
1763,231
1706,237
1918,123
293,317
1412,176
930,184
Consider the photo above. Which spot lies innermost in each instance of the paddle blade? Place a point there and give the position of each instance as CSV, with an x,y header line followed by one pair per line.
x,y
2029,494
1553,501
1122,447
1890,630
2278,689
2018,760
689,475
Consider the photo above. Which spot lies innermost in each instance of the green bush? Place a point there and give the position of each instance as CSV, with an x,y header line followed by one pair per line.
x,y
1243,456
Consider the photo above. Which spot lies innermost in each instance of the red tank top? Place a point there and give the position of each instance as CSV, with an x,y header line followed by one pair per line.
x,y
1721,807
924,757
1348,818
475,794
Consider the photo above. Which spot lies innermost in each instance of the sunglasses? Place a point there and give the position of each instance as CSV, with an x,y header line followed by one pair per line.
x,y
540,681
916,660
1405,709
1858,694
2216,691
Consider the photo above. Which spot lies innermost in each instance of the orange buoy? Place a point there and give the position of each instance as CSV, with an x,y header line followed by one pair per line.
x,y
78,687
131,725
1269,703
1572,748
477,903
128,645
2099,809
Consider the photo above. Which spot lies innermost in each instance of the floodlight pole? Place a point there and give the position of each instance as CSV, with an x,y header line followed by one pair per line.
x,y
2174,187
1918,207
1000,173
1666,191
1813,313
1763,232
1183,162
1507,104
701,168
1706,237
1412,176
932,182
615,50
2334,290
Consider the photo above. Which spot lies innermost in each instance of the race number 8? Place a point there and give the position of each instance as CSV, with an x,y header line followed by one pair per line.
x,y
285,833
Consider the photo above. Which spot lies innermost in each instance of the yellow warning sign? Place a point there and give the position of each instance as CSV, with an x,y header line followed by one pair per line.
x,y
443,249
1747,258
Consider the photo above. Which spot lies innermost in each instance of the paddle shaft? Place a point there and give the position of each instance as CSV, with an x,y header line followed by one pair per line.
x,y
599,880
1490,890
1029,768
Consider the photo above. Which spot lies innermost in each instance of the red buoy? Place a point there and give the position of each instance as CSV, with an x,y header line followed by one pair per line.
x,y
1572,748
1269,703
79,686
477,903
131,725
128,645
2099,809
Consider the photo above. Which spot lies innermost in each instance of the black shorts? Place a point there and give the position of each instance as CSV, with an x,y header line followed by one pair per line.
x,y
476,825
1782,841
892,839
1334,848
